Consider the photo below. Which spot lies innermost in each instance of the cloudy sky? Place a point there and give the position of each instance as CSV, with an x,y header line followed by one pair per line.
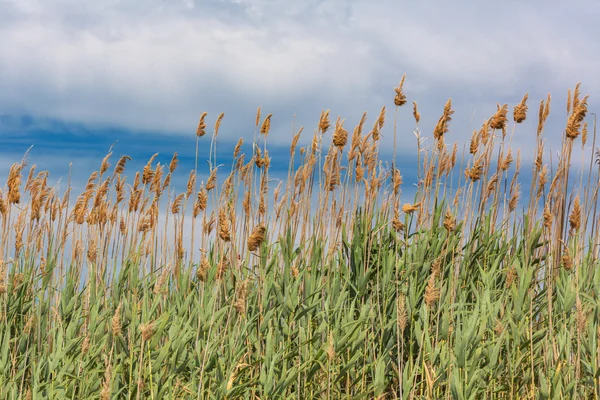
x,y
77,76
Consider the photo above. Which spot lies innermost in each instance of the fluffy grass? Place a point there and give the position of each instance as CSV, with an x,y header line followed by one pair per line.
x,y
329,285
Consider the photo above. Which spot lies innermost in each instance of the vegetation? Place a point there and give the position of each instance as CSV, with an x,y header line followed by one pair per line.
x,y
326,286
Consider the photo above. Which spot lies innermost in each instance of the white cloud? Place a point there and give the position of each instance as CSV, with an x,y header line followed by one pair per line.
x,y
155,65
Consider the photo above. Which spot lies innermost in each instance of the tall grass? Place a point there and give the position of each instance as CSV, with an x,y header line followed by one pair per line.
x,y
330,285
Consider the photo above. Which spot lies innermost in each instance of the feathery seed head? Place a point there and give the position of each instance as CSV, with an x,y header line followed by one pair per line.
x,y
266,125
256,238
416,112
400,98
520,110
201,129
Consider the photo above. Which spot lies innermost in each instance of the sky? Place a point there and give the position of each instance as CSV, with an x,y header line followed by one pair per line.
x,y
79,76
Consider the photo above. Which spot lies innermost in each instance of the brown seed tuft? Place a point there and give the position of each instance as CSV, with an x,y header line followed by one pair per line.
x,y
324,123
120,167
241,295
474,145
201,129
266,125
476,171
174,162
449,221
416,112
432,293
105,164
410,208
148,173
212,180
203,269
520,110
224,227
175,208
401,314
340,135
201,202
580,316
575,217
498,120
256,238
218,124
442,125
147,331
396,180
397,225
567,260
116,321
547,217
238,148
400,98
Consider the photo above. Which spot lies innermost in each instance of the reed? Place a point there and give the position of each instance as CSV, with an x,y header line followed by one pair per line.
x,y
331,284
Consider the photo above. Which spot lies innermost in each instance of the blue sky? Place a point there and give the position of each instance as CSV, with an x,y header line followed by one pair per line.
x,y
77,76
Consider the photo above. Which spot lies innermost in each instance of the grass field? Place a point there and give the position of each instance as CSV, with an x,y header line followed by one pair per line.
x,y
331,285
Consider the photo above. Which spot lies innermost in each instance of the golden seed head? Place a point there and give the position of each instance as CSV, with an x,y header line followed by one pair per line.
x,y
147,331
224,227
574,123
148,173
120,167
476,171
266,125
203,269
241,295
218,124
330,347
222,268
256,238
92,252
381,118
175,208
201,129
575,217
432,293
212,180
105,164
548,217
397,180
498,120
449,221
294,271
14,183
295,141
400,98
397,225
238,147
443,123
416,112
116,321
505,164
567,261
520,110
514,198
324,123
410,208
174,162
401,313
340,135
201,202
